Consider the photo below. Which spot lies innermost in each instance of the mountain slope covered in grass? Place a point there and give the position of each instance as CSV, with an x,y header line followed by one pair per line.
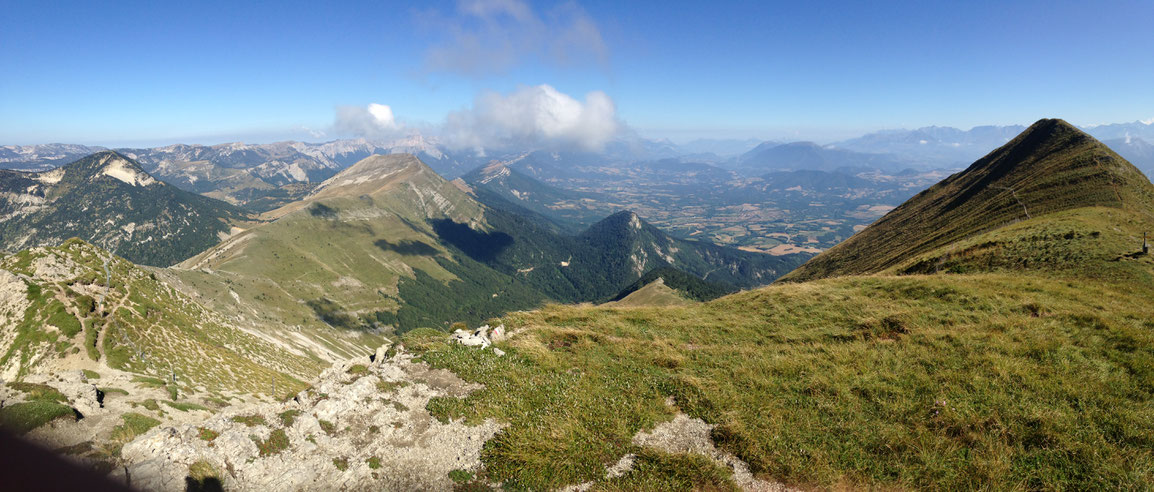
x,y
996,356
75,305
381,245
686,285
1050,167
107,199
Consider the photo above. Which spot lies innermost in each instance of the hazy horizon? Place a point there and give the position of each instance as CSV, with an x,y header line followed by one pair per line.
x,y
482,72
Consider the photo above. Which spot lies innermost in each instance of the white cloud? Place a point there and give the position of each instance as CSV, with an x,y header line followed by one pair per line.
x,y
382,116
1148,121
534,117
486,37
375,121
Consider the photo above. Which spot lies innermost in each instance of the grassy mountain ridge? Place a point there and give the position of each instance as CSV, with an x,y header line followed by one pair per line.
x,y
948,381
336,257
109,200
989,356
686,285
382,243
1050,167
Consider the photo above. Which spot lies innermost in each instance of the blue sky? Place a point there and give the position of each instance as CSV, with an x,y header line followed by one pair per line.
x,y
164,72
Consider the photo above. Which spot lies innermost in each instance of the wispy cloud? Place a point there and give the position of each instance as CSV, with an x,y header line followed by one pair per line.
x,y
534,117
489,37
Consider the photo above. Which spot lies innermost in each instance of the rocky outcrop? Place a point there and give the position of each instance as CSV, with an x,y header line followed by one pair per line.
x,y
481,337
362,426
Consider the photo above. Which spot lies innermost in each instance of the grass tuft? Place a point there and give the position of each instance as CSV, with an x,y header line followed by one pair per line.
x,y
250,420
20,418
277,441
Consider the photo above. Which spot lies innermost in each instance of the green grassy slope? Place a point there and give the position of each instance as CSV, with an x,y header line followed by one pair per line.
x,y
686,285
1050,167
83,302
1097,243
384,243
1032,379
336,258
1015,356
654,293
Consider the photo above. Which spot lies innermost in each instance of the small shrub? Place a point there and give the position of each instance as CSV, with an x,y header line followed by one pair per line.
x,y
149,381
342,464
89,374
387,386
250,420
39,392
207,434
62,319
460,476
202,470
374,463
327,426
184,407
277,441
134,425
358,369
288,417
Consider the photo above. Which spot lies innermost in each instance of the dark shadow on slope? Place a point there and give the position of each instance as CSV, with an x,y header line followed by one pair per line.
x,y
323,211
208,484
331,313
406,247
480,246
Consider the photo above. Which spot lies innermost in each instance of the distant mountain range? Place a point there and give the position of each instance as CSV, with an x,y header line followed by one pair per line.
x,y
938,147
808,156
1029,176
107,199
1138,151
262,177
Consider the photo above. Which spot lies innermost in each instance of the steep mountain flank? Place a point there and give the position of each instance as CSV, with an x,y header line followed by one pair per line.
x,y
629,247
77,306
337,257
382,244
107,199
1050,167
570,209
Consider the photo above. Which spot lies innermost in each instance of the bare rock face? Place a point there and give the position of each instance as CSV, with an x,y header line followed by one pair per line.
x,y
482,337
362,426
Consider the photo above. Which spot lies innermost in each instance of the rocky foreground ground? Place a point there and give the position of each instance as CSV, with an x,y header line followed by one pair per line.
x,y
362,425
